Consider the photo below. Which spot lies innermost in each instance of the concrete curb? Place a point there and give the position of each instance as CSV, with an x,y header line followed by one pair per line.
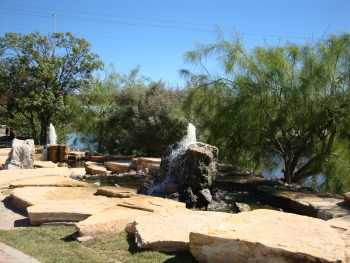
x,y
9,254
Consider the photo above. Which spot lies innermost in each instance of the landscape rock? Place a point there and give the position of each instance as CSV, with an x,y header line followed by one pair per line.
x,y
120,192
10,176
44,164
171,228
57,153
22,155
151,203
240,207
69,210
57,181
314,205
347,198
267,236
110,220
29,196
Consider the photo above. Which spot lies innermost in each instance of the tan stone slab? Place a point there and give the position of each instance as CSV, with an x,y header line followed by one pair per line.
x,y
5,151
120,192
314,205
29,196
44,164
151,203
69,210
3,159
57,181
267,236
106,158
119,167
340,223
111,220
95,169
346,237
169,231
9,176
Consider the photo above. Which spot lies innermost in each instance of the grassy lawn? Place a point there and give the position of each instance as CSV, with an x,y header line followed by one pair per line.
x,y
55,244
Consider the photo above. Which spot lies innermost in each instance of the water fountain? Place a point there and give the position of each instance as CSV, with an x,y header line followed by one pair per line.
x,y
188,168
52,135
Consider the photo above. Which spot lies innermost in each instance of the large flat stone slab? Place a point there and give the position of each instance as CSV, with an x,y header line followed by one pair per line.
x,y
314,205
267,236
110,220
120,192
57,181
69,210
9,176
169,231
241,182
341,224
44,164
151,204
29,196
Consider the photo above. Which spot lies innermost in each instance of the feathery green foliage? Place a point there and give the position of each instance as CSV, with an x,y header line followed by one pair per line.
x,y
290,101
38,73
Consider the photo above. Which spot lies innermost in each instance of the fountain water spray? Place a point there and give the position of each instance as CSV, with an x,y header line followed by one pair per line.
x,y
52,134
188,140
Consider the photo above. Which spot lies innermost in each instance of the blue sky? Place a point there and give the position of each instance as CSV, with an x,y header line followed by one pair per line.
x,y
155,34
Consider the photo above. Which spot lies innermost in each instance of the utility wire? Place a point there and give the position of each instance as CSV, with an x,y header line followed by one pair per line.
x,y
137,24
149,19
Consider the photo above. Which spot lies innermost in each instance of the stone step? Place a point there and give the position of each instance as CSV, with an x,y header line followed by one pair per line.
x,y
171,228
53,181
267,236
9,176
120,192
314,205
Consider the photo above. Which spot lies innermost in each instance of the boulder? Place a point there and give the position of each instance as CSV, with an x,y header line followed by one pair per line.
x,y
22,155
110,220
347,198
170,231
9,176
267,236
120,192
57,153
194,167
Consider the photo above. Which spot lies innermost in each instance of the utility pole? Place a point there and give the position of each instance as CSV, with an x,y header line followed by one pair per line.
x,y
54,31
54,23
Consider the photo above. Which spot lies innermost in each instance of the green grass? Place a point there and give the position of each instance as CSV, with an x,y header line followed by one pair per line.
x,y
55,244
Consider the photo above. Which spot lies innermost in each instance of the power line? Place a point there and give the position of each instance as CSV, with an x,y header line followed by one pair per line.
x,y
20,12
151,19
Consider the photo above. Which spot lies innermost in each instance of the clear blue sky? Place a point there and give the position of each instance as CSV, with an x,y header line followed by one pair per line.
x,y
155,34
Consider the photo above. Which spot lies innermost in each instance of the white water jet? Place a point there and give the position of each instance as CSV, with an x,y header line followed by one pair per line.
x,y
52,134
190,137
188,140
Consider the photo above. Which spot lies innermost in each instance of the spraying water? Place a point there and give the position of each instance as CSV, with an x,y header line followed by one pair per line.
x,y
188,140
52,134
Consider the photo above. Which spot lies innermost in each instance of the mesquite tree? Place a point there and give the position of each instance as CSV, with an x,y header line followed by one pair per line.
x,y
290,101
38,72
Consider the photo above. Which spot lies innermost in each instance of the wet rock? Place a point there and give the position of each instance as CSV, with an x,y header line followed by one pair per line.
x,y
194,167
205,197
189,198
240,207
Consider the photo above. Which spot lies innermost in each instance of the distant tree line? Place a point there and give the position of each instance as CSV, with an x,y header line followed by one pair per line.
x,y
287,102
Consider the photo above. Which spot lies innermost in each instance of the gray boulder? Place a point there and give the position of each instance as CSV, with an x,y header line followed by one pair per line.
x,y
21,155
